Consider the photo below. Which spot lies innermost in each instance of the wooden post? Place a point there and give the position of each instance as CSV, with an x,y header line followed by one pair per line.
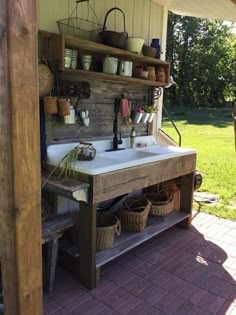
x,y
186,198
20,193
88,273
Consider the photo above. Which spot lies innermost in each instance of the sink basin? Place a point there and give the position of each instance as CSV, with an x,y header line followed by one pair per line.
x,y
115,160
121,156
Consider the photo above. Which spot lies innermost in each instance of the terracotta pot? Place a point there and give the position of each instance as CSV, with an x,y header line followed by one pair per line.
x,y
161,78
50,105
63,106
151,73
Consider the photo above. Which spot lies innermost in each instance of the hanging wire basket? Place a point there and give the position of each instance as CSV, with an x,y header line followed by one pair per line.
x,y
79,27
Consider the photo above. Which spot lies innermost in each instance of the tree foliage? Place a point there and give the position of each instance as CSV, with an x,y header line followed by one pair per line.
x,y
202,54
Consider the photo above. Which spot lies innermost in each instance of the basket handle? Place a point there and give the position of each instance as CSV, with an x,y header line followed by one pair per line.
x,y
108,12
118,228
43,61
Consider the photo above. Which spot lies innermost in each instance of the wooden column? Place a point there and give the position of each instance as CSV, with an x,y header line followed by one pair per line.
x,y
88,274
186,198
20,193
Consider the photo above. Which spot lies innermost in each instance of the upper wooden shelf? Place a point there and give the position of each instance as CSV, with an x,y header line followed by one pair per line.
x,y
59,42
79,43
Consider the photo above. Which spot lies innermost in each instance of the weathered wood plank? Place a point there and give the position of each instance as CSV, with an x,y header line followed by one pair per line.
x,y
101,112
120,182
56,225
70,188
20,211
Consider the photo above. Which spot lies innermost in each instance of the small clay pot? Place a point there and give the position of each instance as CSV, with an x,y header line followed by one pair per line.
x,y
161,75
149,51
151,73
50,105
64,106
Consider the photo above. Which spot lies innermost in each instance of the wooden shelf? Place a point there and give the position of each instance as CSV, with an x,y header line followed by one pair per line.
x,y
128,240
59,42
79,43
110,77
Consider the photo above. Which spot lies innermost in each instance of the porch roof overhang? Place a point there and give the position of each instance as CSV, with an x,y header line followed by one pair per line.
x,y
214,9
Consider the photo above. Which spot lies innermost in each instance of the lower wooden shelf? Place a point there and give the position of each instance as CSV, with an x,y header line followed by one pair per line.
x,y
112,77
129,240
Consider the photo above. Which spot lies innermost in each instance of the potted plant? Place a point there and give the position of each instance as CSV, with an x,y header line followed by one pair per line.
x,y
137,114
149,113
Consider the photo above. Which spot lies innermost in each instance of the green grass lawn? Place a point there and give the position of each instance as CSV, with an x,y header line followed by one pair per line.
x,y
210,132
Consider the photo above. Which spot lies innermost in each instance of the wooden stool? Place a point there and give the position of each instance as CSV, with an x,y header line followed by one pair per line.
x,y
52,229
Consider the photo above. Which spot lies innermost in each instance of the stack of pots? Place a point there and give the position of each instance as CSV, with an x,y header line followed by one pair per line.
x,y
160,75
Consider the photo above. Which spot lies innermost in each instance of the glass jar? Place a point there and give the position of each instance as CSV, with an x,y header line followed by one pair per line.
x,y
70,119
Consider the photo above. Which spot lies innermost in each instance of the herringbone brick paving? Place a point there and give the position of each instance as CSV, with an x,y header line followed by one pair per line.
x,y
181,272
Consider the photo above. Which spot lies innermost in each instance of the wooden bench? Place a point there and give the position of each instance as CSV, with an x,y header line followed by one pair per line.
x,y
52,230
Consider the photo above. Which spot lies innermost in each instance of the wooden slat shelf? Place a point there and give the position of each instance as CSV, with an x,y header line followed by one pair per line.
x,y
110,77
80,43
59,42
129,240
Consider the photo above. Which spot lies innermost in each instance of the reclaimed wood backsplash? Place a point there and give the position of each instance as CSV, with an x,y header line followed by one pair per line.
x,y
101,112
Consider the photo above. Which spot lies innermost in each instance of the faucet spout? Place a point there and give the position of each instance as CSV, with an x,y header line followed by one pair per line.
x,y
116,141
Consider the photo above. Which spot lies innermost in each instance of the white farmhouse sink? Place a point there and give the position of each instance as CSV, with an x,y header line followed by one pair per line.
x,y
115,160
127,155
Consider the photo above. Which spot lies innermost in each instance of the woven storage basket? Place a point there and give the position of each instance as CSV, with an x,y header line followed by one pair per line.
x,y
162,203
63,106
134,214
107,226
45,78
50,104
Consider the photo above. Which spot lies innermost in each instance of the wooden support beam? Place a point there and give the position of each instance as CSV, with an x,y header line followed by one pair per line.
x,y
20,193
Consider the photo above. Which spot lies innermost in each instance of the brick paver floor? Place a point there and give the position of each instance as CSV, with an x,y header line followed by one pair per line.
x,y
177,272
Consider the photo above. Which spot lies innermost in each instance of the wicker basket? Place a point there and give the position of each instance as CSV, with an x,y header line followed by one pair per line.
x,y
45,78
63,106
107,226
50,104
134,214
162,203
77,26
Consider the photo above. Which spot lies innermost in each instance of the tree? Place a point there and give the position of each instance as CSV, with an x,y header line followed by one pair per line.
x,y
203,61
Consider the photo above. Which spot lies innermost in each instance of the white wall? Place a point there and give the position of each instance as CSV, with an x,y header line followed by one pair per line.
x,y
144,18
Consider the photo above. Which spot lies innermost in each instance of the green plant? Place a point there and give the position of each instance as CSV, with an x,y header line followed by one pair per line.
x,y
149,109
66,166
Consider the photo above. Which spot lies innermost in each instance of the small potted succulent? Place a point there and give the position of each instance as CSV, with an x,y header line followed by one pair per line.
x,y
149,113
